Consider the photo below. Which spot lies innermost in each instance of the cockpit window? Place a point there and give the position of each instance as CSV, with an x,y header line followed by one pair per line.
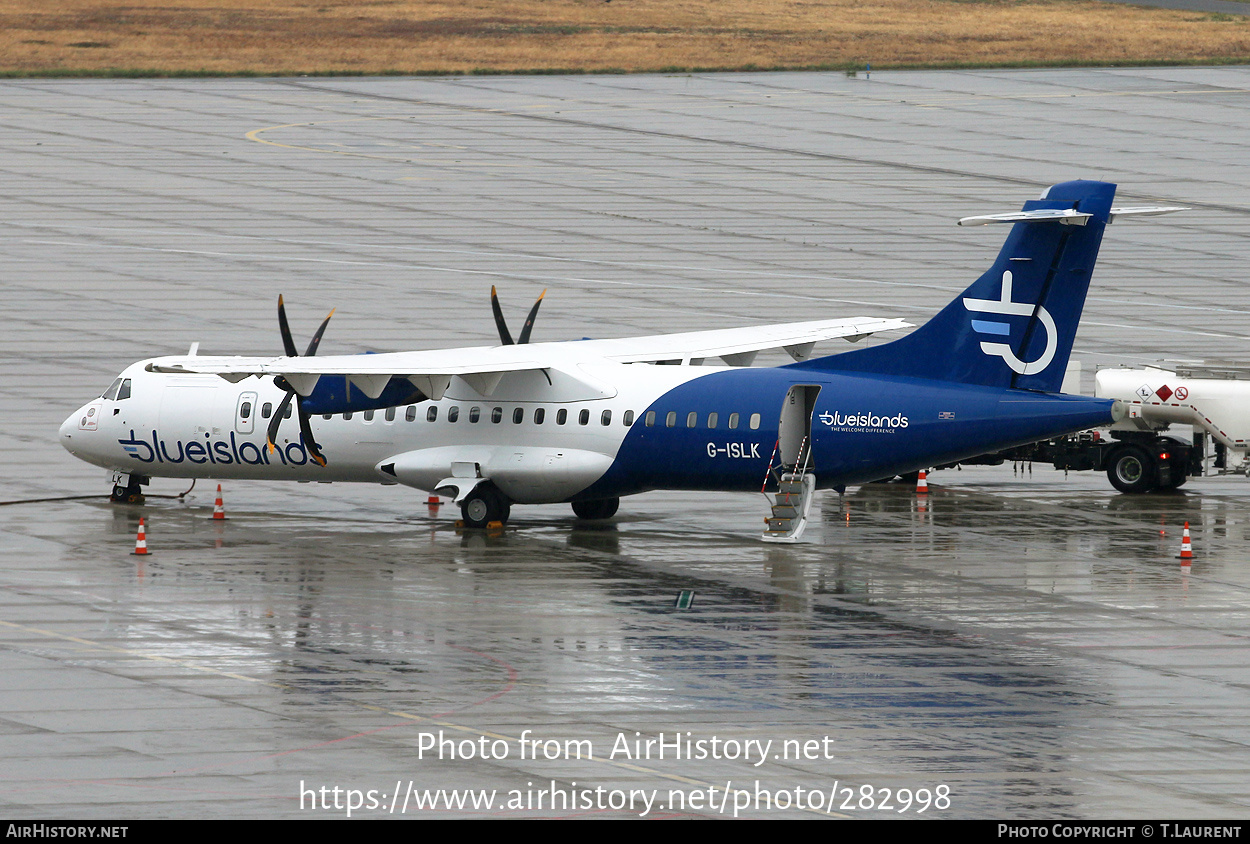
x,y
111,392
123,392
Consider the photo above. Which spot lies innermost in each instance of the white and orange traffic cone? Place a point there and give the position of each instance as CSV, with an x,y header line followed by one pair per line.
x,y
219,510
1187,550
434,501
922,483
141,541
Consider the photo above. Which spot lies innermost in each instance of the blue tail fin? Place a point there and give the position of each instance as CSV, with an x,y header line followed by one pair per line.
x,y
1015,325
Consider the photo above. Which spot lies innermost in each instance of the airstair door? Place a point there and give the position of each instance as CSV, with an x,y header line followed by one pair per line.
x,y
794,431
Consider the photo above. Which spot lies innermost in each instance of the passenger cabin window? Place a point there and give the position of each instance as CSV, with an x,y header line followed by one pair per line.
x,y
605,418
628,418
496,415
670,419
539,415
475,413
518,416
733,420
755,421
712,419
286,414
347,415
431,413
650,419
245,410
368,415
390,414
562,416
266,409
692,419
453,413
583,418
327,416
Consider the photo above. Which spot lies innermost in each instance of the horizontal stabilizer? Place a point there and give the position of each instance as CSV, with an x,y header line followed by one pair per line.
x,y
1069,216
1145,211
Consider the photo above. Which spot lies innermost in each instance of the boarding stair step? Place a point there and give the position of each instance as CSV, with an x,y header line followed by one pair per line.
x,y
790,507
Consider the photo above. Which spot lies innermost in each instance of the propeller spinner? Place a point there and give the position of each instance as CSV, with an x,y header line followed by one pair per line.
x,y
288,345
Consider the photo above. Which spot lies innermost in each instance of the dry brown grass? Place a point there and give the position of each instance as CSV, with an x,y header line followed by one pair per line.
x,y
359,36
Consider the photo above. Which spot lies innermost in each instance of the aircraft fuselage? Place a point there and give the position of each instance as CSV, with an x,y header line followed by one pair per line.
x,y
618,429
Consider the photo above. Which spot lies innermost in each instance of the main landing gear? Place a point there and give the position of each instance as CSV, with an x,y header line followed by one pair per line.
x,y
602,508
128,489
485,504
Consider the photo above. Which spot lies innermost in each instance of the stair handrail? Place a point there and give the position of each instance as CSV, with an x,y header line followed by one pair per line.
x,y
769,471
805,453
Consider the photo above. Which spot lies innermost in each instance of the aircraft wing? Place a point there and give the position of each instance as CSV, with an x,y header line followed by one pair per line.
x,y
738,346
483,366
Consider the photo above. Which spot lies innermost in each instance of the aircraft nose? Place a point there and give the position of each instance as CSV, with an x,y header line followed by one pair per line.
x,y
79,423
68,428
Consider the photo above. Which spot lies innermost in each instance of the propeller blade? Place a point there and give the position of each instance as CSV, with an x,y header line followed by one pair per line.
x,y
305,426
285,328
316,340
271,436
529,320
504,335
314,451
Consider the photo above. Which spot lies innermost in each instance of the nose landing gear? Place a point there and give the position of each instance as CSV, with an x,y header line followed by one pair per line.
x,y
128,489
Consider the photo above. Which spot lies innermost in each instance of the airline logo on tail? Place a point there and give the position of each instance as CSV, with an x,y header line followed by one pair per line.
x,y
1004,305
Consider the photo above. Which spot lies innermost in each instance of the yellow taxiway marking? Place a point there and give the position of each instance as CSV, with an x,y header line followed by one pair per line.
x,y
399,155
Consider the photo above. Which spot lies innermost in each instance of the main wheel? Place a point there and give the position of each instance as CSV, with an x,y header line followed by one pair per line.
x,y
603,508
1132,469
484,505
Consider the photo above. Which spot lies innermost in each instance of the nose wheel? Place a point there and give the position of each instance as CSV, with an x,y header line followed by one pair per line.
x,y
128,490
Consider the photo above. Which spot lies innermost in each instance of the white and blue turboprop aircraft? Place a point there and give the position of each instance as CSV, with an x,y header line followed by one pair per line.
x,y
587,422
